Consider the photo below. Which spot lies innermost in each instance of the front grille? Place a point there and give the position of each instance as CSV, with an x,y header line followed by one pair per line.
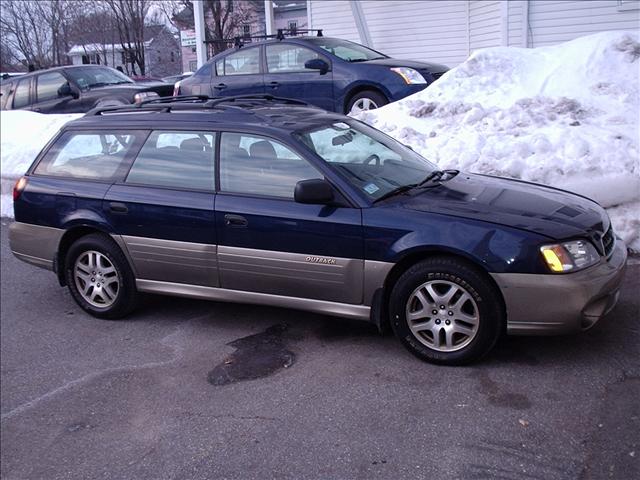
x,y
608,241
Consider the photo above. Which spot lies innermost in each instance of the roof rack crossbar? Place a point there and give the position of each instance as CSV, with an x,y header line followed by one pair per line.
x,y
282,33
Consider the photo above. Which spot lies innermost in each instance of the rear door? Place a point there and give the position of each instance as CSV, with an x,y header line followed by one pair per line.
x,y
239,73
164,208
269,243
287,76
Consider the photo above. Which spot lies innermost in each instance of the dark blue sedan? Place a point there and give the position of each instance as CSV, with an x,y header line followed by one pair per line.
x,y
334,74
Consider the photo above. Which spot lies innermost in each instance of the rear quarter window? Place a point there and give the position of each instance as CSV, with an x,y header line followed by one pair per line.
x,y
88,155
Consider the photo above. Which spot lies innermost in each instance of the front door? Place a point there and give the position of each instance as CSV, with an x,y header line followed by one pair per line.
x,y
50,96
238,73
287,76
269,243
164,209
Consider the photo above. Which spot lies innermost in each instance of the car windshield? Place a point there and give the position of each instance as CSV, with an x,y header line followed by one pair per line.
x,y
89,77
349,51
371,161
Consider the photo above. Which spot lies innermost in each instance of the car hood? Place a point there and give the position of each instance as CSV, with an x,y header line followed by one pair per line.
x,y
395,62
548,211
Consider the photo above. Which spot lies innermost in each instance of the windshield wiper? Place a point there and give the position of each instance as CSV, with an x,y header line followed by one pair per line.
x,y
437,175
396,191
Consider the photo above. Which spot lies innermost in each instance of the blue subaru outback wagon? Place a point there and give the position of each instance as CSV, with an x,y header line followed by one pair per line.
x,y
270,201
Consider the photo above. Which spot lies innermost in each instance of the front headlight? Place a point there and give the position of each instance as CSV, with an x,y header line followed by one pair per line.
x,y
142,96
568,256
409,75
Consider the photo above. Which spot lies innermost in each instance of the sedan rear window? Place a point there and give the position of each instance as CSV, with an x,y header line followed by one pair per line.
x,y
89,155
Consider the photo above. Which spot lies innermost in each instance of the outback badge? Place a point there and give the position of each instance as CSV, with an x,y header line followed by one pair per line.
x,y
327,261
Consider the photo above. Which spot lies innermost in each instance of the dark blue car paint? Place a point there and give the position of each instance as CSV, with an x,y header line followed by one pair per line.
x,y
331,91
496,223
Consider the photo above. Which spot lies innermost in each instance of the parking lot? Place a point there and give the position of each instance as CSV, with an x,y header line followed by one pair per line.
x,y
192,389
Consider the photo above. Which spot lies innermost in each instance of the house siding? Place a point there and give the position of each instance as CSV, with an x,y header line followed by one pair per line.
x,y
484,24
420,30
553,22
448,31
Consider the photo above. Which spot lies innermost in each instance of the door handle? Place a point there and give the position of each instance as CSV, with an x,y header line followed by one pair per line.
x,y
274,84
118,207
36,109
220,86
236,221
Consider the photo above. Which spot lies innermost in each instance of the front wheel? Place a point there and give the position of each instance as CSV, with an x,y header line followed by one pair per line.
x,y
366,100
99,277
446,311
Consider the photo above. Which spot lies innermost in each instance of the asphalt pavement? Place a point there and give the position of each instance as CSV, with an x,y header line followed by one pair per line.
x,y
192,389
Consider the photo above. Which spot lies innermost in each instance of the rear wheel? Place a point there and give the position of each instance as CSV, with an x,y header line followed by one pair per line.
x,y
446,311
366,100
99,277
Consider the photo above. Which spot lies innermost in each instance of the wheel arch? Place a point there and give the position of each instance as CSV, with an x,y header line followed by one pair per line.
x,y
70,236
380,307
356,89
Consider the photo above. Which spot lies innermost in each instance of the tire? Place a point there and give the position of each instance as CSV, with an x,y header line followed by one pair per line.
x,y
367,96
99,277
464,330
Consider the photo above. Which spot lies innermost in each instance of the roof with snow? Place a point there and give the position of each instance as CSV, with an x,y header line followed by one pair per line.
x,y
91,42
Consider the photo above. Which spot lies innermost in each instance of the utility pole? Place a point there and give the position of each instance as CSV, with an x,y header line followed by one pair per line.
x,y
198,18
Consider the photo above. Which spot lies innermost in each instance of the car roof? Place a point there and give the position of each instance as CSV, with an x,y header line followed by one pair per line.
x,y
57,69
250,111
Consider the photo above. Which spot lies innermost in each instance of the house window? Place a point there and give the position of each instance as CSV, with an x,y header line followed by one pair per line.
x,y
91,59
246,31
293,25
173,57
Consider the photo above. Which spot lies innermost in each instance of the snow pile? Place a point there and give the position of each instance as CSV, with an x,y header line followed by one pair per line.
x,y
566,116
22,135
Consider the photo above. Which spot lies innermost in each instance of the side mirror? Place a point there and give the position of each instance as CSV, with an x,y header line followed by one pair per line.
x,y
316,191
317,64
65,91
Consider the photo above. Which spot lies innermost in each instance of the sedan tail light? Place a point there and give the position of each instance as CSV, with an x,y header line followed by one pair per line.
x,y
19,187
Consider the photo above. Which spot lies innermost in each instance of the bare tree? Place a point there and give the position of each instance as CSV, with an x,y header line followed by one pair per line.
x,y
25,32
130,17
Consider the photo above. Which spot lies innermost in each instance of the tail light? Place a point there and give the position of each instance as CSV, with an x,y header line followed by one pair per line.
x,y
19,187
176,89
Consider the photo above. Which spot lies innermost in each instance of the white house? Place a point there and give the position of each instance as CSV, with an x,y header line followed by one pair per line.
x,y
448,31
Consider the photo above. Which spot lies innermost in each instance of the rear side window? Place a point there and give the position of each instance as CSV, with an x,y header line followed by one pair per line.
x,y
48,85
88,155
176,159
5,93
243,62
21,97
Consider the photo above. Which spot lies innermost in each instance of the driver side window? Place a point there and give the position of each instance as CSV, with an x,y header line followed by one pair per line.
x,y
256,165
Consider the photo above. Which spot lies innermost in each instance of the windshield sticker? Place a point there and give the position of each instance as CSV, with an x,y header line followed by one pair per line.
x,y
371,188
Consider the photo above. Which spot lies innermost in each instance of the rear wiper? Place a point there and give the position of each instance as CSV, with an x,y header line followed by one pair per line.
x,y
396,191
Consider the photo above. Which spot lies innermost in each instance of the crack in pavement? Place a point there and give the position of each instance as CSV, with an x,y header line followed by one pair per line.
x,y
167,341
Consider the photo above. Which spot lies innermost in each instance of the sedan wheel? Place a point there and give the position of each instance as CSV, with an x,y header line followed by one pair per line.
x,y
363,104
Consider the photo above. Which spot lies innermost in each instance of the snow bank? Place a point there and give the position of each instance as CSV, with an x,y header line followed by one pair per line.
x,y
566,115
22,135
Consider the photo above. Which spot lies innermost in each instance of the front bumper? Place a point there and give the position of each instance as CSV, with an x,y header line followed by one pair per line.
x,y
556,304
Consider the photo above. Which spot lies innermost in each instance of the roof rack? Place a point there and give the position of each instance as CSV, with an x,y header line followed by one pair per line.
x,y
239,41
193,102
